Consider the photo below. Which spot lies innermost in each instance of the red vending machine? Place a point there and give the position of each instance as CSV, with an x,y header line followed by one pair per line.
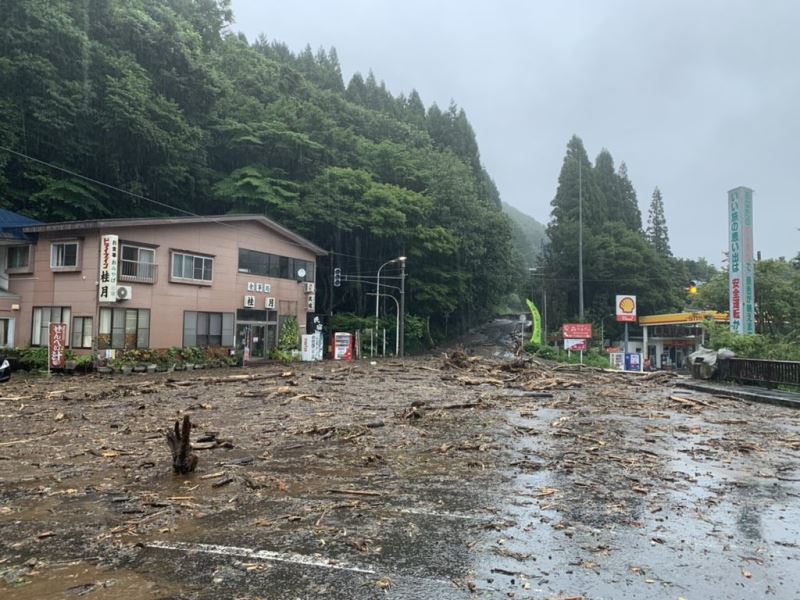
x,y
342,346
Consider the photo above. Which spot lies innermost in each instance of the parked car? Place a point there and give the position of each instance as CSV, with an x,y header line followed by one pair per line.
x,y
5,369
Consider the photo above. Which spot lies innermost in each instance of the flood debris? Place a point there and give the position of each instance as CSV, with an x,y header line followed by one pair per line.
x,y
183,459
460,471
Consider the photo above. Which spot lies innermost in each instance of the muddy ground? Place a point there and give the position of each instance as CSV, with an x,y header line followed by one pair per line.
x,y
426,478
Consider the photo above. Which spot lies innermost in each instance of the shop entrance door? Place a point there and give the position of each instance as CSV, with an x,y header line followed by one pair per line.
x,y
251,336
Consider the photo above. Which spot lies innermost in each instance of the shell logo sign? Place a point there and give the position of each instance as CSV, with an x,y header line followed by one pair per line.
x,y
626,308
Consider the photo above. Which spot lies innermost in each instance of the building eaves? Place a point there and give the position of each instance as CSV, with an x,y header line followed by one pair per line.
x,y
102,224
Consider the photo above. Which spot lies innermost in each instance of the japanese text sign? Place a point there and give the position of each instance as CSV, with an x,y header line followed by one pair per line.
x,y
740,255
56,346
109,261
577,331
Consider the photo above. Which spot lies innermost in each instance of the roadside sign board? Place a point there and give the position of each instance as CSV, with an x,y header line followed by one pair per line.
x,y
575,345
626,308
577,331
56,355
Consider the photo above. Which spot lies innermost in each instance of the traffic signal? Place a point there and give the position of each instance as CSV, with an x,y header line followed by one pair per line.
x,y
691,288
337,277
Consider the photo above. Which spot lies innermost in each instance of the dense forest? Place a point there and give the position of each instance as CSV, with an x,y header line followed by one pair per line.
x,y
160,102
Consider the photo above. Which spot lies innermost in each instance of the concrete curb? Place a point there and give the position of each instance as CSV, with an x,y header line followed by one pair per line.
x,y
752,394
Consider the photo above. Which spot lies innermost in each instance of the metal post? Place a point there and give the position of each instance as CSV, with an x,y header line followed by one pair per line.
x,y
402,328
378,293
625,347
645,353
544,315
580,242
602,333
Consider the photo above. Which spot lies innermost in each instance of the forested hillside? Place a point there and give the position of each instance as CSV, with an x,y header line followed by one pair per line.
x,y
158,99
529,236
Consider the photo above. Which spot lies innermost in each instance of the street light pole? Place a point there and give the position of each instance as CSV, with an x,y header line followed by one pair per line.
x,y
580,242
401,259
396,324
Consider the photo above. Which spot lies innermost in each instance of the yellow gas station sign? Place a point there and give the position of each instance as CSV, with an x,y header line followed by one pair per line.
x,y
684,318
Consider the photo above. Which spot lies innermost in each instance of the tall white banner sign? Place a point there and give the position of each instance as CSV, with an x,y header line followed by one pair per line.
x,y
740,257
109,262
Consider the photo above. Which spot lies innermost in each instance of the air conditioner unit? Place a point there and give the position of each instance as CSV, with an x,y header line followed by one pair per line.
x,y
124,292
309,287
249,301
311,302
271,303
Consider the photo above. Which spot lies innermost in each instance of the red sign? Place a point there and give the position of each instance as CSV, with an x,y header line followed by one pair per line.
x,y
57,345
577,331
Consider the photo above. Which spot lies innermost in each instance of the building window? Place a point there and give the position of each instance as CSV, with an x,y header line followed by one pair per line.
x,y
81,332
18,257
138,264
4,323
270,265
190,267
123,328
64,254
42,317
207,329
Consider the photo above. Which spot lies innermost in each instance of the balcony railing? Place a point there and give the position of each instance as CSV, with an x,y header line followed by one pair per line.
x,y
138,272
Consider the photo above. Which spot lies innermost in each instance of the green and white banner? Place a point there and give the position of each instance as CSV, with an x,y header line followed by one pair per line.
x,y
740,257
536,333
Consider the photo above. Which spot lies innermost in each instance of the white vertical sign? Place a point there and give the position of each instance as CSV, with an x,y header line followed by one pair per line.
x,y
740,257
109,262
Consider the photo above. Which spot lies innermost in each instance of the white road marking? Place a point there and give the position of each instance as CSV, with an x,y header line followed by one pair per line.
x,y
287,557
441,515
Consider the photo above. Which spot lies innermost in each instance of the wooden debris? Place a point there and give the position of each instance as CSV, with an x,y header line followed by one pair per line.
x,y
354,492
183,460
693,402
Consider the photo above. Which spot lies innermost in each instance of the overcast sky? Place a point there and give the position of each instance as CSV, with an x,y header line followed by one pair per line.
x,y
696,97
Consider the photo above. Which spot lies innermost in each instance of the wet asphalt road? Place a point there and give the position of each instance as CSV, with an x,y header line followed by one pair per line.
x,y
606,491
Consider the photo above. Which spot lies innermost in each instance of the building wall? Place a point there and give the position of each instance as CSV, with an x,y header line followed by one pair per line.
x,y
166,299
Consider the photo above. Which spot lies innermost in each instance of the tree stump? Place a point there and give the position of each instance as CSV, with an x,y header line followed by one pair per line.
x,y
183,460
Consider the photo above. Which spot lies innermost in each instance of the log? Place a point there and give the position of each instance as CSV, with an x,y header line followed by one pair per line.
x,y
355,492
690,401
183,459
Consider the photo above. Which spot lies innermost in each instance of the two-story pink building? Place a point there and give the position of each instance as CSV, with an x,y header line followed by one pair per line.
x,y
156,283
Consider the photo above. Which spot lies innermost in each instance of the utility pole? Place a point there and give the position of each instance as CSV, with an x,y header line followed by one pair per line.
x,y
330,287
580,242
402,329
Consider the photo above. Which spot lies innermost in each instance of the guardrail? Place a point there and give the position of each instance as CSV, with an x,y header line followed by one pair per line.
x,y
770,373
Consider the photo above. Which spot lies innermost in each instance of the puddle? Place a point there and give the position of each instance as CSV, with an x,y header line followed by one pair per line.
x,y
78,580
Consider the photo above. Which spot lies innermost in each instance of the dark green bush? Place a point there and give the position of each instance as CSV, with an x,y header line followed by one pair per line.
x,y
547,352
32,359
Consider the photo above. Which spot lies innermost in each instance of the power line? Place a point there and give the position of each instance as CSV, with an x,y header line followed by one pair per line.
x,y
100,183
